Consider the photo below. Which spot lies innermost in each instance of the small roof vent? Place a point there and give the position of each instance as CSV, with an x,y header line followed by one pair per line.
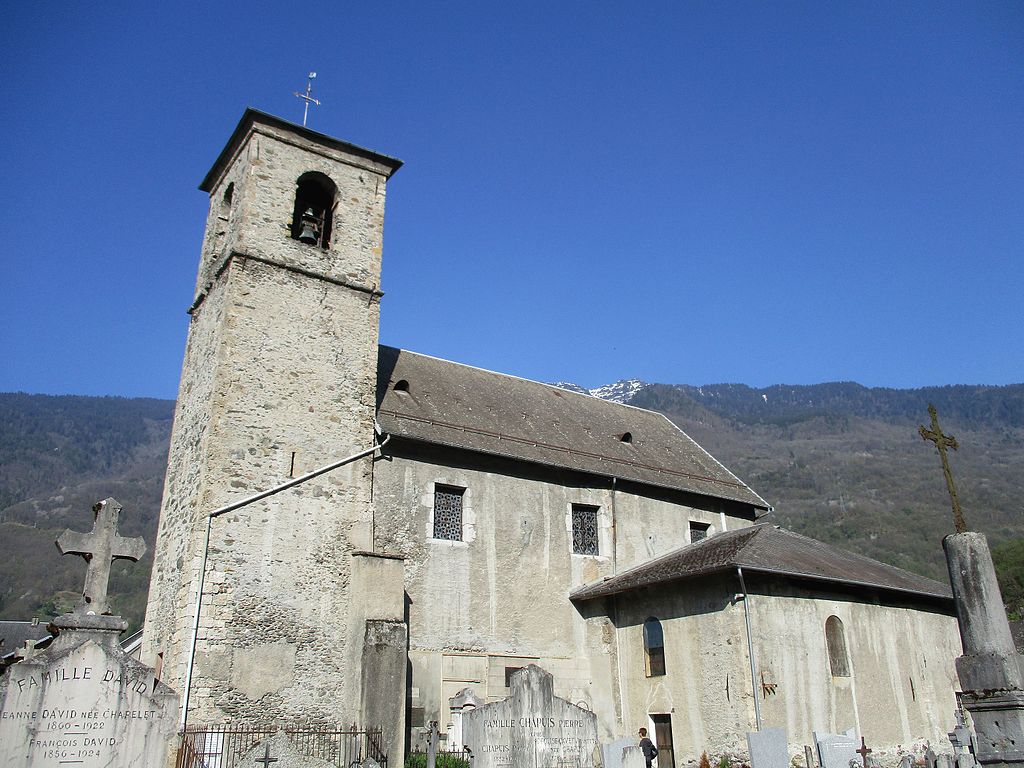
x,y
626,437
402,385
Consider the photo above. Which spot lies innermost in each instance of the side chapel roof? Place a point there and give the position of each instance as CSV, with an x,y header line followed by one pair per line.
x,y
765,548
438,401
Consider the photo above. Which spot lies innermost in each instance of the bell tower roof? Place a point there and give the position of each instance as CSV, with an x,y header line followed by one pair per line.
x,y
253,119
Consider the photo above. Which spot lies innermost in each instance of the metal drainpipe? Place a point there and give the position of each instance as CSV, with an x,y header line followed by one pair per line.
x,y
206,549
750,650
615,532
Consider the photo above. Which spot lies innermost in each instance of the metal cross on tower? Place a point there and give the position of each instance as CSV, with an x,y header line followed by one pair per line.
x,y
307,98
99,547
942,442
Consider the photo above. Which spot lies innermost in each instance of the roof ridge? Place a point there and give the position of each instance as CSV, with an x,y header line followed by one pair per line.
x,y
534,381
851,552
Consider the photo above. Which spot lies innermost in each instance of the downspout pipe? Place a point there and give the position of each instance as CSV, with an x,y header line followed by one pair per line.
x,y
750,650
231,508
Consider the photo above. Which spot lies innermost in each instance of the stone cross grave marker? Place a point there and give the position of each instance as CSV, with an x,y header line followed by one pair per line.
x,y
100,547
83,701
942,442
768,748
532,728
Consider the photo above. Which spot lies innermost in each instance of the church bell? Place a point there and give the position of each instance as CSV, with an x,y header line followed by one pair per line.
x,y
310,228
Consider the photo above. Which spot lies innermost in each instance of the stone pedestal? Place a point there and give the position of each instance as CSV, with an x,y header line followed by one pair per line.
x,y
991,671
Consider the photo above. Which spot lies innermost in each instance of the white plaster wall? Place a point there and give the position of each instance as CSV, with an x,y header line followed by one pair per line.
x,y
503,590
889,646
707,686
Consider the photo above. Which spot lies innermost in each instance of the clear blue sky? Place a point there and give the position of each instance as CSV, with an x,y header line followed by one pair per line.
x,y
685,193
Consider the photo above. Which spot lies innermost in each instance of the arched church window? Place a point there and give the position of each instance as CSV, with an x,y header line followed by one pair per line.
x,y
313,215
835,639
654,648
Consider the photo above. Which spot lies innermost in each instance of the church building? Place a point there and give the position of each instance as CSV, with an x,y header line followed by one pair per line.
x,y
474,522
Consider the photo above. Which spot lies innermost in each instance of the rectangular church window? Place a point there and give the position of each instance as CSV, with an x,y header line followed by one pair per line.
x,y
698,531
584,529
448,512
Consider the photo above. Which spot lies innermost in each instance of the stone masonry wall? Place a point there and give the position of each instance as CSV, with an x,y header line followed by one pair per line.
x,y
279,379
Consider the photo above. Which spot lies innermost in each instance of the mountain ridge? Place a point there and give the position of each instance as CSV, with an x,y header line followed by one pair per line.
x,y
840,462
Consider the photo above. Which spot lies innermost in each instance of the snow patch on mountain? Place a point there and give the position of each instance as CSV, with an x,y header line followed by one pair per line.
x,y
619,392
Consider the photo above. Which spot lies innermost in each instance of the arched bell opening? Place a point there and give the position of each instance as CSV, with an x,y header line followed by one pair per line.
x,y
313,215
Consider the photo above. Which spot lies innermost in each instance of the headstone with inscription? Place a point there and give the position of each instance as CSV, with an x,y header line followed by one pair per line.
x,y
837,750
532,728
83,701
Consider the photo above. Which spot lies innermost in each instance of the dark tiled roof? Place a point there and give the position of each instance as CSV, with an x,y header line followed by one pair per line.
x,y
469,408
765,548
15,633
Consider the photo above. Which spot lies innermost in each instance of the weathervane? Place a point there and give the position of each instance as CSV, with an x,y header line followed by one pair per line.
x,y
307,98
942,442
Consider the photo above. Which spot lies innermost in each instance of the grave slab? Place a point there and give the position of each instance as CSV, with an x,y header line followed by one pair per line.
x,y
768,748
532,728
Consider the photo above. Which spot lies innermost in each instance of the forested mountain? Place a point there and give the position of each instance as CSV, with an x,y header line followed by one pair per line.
x,y
839,462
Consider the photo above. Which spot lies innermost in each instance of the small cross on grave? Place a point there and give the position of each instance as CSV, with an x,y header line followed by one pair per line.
x,y
266,759
864,751
942,442
99,547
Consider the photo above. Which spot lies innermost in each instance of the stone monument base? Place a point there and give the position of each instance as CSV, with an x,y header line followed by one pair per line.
x,y
999,725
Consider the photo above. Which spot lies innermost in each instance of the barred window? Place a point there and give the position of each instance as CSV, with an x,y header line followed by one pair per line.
x,y
698,531
584,529
448,512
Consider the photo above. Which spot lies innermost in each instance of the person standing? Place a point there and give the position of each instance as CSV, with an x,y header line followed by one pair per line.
x,y
647,747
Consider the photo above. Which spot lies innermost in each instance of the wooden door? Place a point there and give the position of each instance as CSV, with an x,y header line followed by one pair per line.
x,y
663,740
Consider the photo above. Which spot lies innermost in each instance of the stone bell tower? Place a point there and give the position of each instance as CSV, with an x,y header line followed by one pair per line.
x,y
278,379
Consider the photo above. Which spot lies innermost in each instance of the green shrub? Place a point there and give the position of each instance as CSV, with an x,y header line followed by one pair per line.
x,y
444,760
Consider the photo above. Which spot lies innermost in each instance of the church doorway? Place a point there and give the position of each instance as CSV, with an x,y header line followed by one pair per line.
x,y
663,740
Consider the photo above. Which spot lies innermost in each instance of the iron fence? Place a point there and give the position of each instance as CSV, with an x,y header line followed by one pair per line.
x,y
223,746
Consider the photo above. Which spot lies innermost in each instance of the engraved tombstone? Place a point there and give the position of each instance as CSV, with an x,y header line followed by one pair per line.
x,y
532,728
837,750
83,701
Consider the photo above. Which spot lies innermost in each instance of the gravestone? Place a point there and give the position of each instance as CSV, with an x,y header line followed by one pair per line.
x,y
768,748
837,750
613,754
532,728
277,751
83,701
458,705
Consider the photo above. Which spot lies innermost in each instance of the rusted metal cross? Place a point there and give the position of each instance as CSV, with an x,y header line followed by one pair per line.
x,y
266,759
942,442
99,547
864,751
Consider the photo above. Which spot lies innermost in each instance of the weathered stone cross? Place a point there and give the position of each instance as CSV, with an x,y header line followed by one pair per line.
x,y
99,547
266,759
942,442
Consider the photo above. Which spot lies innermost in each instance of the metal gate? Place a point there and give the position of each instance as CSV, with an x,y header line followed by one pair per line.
x,y
223,746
